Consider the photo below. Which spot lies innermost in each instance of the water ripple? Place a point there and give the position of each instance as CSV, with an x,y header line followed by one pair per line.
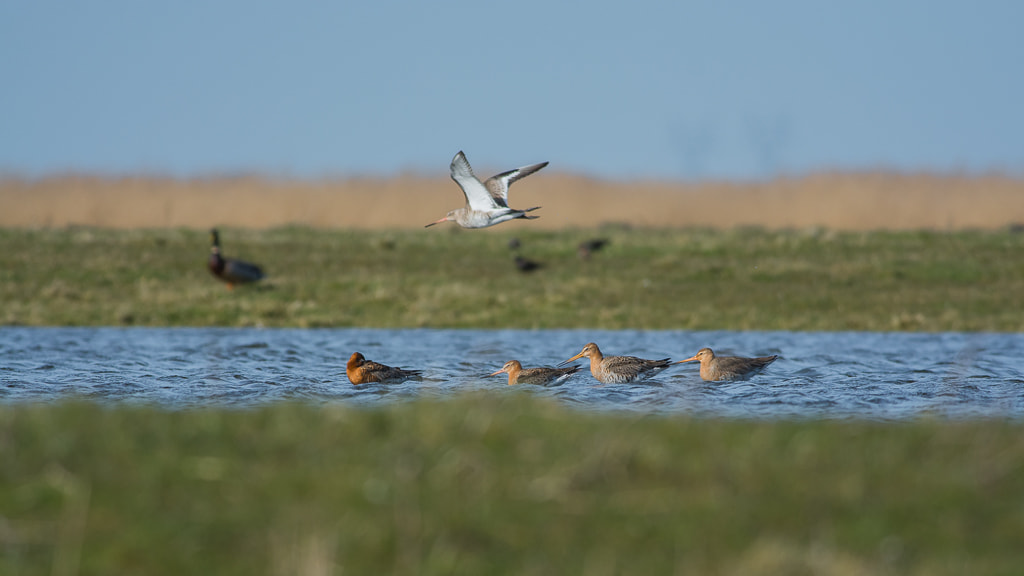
x,y
835,375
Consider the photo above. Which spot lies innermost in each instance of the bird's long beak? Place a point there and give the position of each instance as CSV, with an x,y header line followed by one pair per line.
x,y
580,355
498,372
436,222
691,359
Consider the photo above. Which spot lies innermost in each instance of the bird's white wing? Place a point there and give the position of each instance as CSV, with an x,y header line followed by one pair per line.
x,y
477,195
498,185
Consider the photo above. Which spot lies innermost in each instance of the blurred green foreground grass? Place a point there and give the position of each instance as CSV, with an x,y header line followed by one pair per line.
x,y
500,485
650,279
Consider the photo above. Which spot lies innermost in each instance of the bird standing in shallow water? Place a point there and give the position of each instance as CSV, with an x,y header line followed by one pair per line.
x,y
486,202
540,376
618,369
362,371
230,270
727,367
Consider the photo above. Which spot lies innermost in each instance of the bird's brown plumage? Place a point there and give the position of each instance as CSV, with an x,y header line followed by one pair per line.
x,y
619,369
363,371
542,376
727,367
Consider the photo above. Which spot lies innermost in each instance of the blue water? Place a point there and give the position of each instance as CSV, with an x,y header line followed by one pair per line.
x,y
883,376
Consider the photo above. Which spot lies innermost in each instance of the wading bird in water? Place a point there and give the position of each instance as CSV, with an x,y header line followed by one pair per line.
x,y
362,371
230,270
486,202
618,369
539,376
727,367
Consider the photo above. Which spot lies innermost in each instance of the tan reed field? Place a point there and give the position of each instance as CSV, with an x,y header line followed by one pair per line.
x,y
866,201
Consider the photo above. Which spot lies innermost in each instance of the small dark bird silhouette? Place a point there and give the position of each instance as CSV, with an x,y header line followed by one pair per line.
x,y
588,247
230,270
527,265
513,243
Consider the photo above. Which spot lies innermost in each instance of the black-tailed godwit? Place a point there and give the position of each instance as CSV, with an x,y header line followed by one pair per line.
x,y
486,202
362,371
727,367
619,369
539,376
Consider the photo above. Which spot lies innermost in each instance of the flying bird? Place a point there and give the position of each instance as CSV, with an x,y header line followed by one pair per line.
x,y
486,202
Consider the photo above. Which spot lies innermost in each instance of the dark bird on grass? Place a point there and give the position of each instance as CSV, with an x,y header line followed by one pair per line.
x,y
513,243
362,371
542,376
588,247
487,201
230,270
527,265
727,367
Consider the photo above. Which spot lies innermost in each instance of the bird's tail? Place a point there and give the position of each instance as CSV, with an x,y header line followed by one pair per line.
x,y
524,216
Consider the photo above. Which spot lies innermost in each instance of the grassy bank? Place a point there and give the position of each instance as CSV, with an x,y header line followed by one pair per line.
x,y
656,279
500,486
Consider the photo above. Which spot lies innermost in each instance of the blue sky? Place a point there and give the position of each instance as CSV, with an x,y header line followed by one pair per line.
x,y
667,90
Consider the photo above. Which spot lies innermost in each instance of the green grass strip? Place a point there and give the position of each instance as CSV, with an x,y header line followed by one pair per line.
x,y
651,279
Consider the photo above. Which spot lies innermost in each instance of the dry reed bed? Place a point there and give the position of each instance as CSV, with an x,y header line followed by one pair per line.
x,y
837,201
